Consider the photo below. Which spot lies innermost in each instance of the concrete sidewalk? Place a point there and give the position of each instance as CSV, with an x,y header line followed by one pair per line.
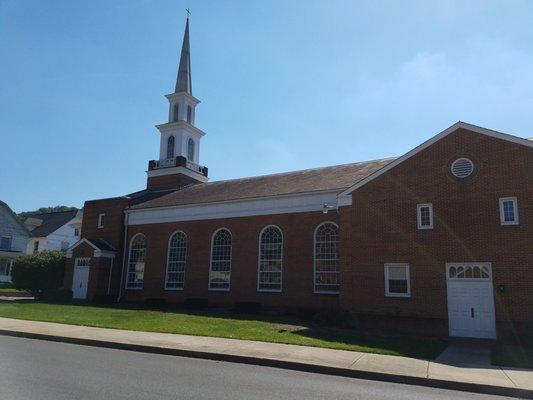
x,y
452,370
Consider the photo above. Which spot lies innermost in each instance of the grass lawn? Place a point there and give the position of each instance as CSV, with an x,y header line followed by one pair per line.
x,y
512,355
7,290
264,328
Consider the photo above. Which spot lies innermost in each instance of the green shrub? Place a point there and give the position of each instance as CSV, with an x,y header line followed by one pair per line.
x,y
39,273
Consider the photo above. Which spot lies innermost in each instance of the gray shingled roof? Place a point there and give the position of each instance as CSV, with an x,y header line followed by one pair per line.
x,y
338,177
51,222
184,80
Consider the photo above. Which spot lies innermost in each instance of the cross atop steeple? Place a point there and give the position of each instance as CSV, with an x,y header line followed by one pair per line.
x,y
184,80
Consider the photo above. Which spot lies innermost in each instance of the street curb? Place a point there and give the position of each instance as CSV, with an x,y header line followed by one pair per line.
x,y
292,365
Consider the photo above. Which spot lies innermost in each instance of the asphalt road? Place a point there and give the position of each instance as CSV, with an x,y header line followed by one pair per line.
x,y
41,370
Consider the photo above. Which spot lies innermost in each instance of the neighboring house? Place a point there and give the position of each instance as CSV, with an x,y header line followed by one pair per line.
x,y
13,240
53,231
438,240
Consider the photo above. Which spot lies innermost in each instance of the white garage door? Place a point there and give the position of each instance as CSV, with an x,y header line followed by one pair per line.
x,y
470,300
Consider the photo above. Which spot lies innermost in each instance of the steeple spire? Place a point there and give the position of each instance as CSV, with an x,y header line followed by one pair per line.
x,y
184,81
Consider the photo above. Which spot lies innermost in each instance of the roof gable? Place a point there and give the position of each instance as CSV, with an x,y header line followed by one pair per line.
x,y
428,143
51,222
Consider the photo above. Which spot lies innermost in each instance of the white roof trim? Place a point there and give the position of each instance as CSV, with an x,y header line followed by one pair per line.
x,y
427,143
97,252
84,240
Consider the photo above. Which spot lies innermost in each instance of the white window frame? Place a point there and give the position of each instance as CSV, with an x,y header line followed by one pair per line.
x,y
407,267
101,220
9,240
315,259
502,213
209,287
128,287
419,208
259,261
179,289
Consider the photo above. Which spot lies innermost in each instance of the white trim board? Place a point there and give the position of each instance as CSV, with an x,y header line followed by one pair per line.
x,y
97,252
427,143
177,170
310,202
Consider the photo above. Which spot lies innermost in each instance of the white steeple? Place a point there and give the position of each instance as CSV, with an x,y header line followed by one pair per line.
x,y
180,139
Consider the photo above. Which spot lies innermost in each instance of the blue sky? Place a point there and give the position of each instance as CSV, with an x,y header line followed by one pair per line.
x,y
284,85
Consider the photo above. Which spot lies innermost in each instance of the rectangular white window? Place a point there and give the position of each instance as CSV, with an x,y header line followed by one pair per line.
x,y
101,220
35,246
397,280
5,243
508,211
5,266
424,214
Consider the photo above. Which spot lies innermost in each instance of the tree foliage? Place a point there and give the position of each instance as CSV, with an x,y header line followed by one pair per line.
x,y
45,210
39,273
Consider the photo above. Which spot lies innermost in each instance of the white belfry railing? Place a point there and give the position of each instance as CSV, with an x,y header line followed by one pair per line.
x,y
168,162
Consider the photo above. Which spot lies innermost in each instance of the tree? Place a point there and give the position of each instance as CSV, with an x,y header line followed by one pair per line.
x,y
39,273
44,210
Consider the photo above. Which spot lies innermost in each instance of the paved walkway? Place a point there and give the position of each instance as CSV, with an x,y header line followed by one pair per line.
x,y
462,367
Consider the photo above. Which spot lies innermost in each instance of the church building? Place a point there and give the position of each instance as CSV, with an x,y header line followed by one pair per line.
x,y
436,241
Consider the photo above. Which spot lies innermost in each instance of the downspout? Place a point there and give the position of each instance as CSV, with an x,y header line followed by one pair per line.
x,y
124,245
110,275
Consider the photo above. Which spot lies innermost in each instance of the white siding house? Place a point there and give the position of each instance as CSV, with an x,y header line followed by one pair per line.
x,y
13,240
53,231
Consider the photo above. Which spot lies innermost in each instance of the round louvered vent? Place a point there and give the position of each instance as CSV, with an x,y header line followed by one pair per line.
x,y
462,168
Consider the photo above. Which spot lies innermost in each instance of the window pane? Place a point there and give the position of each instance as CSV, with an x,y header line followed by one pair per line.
x,y
270,259
136,262
219,275
508,211
397,286
176,261
326,259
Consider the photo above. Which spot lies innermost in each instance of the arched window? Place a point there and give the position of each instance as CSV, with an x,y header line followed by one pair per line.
x,y
136,261
189,114
220,269
190,150
175,112
326,268
170,147
270,259
176,260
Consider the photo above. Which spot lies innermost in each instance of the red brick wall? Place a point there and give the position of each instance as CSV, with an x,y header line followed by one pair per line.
x,y
381,227
297,289
169,181
113,229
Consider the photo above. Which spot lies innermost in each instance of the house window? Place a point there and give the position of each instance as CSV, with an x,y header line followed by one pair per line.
x,y
189,114
170,147
5,266
176,260
326,269
508,211
35,246
424,214
136,262
175,112
270,260
101,220
5,243
397,280
190,150
220,269
76,232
